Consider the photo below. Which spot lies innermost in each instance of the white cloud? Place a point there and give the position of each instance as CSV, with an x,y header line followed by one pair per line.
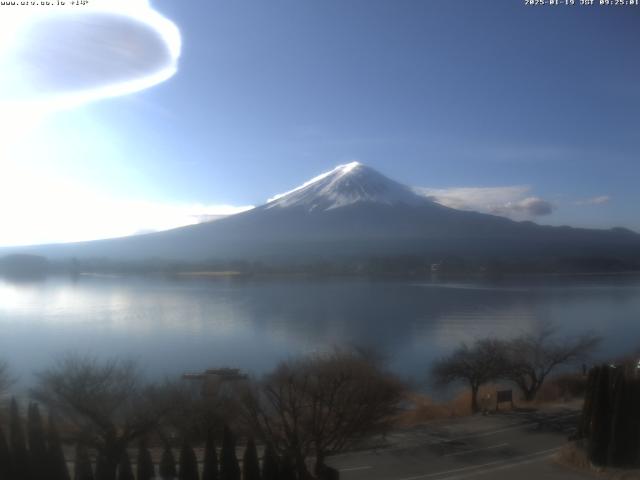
x,y
511,201
475,198
599,200
530,207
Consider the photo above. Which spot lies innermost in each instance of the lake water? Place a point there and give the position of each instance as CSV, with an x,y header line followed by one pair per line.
x,y
174,326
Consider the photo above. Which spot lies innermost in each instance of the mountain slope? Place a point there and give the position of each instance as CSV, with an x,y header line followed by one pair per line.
x,y
350,211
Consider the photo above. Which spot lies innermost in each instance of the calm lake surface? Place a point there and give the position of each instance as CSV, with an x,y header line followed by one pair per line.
x,y
174,326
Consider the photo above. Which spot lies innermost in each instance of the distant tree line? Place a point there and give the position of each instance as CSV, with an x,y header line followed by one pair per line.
x,y
526,361
114,421
24,266
438,263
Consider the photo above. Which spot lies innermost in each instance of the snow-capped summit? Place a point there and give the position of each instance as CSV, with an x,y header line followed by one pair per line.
x,y
346,185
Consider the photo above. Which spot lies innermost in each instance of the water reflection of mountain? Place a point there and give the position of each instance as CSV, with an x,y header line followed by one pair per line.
x,y
176,325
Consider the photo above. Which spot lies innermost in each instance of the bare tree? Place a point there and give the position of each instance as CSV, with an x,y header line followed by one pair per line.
x,y
196,411
532,357
189,417
105,405
322,404
475,365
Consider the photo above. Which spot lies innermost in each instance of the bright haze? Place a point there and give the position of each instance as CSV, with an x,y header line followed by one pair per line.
x,y
130,117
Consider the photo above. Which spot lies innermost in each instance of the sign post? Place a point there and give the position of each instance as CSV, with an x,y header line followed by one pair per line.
x,y
503,396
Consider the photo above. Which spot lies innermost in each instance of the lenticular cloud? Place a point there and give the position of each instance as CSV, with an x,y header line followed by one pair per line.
x,y
63,55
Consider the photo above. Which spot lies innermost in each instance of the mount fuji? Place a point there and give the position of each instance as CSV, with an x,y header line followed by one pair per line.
x,y
354,211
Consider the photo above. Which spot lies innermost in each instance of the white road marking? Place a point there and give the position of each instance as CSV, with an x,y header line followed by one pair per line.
x,y
498,468
500,430
464,452
516,426
353,469
445,440
499,464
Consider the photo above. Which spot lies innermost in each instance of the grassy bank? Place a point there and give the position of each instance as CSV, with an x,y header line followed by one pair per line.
x,y
566,389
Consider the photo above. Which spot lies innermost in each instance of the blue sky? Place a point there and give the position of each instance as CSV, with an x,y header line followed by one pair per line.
x,y
523,102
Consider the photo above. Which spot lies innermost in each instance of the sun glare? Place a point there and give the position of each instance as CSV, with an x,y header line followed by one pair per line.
x,y
40,207
60,57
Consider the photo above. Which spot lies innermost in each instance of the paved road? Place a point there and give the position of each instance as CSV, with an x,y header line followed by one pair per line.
x,y
507,445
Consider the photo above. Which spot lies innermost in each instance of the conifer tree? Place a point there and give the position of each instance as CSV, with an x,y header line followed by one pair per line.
x,y
19,452
101,468
619,417
210,468
600,420
38,454
634,436
610,417
188,462
125,472
229,468
145,468
584,429
5,458
250,464
82,470
624,433
270,464
56,462
168,465
287,471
